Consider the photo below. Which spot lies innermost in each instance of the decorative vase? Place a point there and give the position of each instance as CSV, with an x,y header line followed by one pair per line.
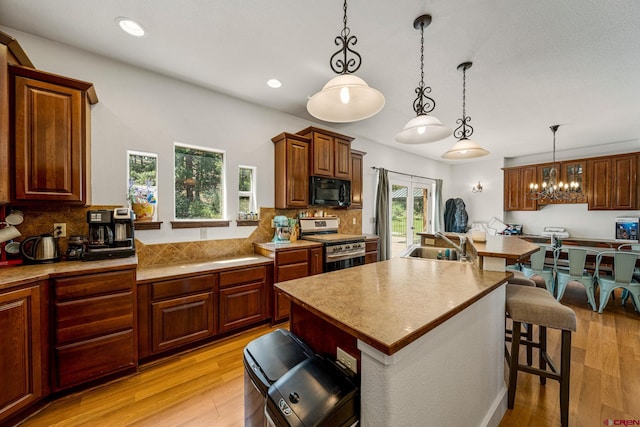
x,y
143,211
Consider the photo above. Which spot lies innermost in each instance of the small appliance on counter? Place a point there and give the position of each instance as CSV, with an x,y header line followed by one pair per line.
x,y
110,234
40,249
75,247
558,232
283,229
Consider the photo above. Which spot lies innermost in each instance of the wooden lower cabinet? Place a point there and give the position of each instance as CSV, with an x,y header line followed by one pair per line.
x,y
242,298
23,348
371,250
184,311
94,327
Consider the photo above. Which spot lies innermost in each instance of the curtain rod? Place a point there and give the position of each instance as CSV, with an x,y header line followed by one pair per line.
x,y
405,174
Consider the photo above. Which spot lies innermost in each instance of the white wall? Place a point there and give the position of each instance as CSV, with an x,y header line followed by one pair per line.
x,y
145,111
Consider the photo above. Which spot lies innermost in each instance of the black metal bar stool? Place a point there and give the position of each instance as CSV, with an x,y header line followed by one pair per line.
x,y
536,306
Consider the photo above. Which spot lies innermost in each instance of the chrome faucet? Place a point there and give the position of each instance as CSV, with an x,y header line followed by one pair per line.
x,y
462,247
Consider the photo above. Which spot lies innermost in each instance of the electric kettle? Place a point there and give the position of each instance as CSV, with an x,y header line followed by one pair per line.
x,y
40,249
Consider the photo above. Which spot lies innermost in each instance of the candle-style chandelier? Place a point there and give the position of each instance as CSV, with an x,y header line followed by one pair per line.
x,y
551,189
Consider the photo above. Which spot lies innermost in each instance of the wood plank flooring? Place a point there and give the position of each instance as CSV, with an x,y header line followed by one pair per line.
x,y
205,387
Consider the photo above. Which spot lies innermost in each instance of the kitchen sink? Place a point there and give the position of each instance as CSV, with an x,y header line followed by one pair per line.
x,y
432,252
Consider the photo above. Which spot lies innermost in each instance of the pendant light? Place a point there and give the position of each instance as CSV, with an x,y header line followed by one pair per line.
x,y
464,148
423,128
346,98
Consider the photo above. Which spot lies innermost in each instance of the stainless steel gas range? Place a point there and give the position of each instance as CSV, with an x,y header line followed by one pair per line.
x,y
340,250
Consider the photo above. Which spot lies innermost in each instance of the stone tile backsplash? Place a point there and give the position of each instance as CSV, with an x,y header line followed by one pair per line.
x,y
40,220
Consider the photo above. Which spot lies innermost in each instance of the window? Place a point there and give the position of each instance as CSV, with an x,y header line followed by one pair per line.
x,y
142,191
199,183
247,189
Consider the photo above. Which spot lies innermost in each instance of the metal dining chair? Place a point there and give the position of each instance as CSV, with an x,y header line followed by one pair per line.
x,y
624,264
576,273
537,268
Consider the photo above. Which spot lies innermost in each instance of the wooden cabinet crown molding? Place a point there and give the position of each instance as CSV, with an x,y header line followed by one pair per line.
x,y
17,54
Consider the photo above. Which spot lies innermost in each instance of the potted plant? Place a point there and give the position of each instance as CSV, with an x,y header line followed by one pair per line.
x,y
142,200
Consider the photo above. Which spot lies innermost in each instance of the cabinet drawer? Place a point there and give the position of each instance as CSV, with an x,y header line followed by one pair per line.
x,y
95,358
371,246
241,306
178,287
180,321
94,284
293,271
246,275
292,257
81,319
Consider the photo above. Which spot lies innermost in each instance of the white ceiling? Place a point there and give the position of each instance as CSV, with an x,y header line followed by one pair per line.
x,y
535,63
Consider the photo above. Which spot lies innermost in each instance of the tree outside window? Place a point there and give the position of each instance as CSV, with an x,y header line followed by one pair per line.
x,y
246,189
142,190
199,183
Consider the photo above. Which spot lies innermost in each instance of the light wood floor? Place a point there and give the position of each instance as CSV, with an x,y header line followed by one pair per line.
x,y
205,387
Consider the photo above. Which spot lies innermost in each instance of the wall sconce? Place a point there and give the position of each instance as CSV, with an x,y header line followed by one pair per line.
x,y
477,188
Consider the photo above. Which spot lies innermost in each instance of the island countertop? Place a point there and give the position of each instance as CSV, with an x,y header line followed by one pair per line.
x,y
390,304
510,247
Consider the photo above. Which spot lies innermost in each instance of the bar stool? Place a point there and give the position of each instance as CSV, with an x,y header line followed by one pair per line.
x,y
537,306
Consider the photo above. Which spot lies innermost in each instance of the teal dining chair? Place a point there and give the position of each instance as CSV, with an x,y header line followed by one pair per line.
x,y
536,268
576,273
624,264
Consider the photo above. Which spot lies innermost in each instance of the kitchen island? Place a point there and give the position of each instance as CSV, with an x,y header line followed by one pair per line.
x,y
428,337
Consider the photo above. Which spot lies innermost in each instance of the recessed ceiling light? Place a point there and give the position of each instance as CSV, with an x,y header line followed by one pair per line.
x,y
274,83
130,26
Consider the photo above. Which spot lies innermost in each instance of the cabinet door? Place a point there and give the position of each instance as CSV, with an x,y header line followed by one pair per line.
x,y
322,155
20,350
371,251
599,183
316,261
342,165
282,306
5,171
50,147
241,306
297,174
512,191
528,175
181,321
575,171
624,182
356,179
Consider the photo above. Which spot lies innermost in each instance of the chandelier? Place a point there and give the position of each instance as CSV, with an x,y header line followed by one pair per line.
x,y
423,128
552,190
465,148
346,98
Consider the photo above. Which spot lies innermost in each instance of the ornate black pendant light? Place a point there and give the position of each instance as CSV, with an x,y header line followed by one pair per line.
x,y
464,148
346,98
423,128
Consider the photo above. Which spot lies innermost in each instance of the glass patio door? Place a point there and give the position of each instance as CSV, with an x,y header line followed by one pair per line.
x,y
410,213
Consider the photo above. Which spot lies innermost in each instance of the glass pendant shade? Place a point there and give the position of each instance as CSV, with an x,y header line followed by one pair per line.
x,y
345,98
422,129
465,149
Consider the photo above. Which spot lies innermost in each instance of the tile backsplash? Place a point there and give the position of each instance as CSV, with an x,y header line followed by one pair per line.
x,y
40,220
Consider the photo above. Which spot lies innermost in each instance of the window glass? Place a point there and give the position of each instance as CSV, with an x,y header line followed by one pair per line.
x,y
246,190
142,191
199,183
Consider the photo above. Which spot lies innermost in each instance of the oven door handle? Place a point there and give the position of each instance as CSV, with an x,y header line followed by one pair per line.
x,y
345,255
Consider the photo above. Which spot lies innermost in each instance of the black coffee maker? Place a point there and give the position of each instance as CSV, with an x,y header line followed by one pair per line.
x,y
110,234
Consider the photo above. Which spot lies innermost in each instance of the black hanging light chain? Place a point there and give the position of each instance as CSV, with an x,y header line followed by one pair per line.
x,y
344,64
465,130
423,104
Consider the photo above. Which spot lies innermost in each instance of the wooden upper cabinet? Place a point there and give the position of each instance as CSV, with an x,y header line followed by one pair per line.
x,y
529,175
52,129
356,178
291,171
330,153
612,182
516,188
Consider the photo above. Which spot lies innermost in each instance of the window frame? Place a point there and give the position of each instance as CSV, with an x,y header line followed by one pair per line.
x,y
202,222
253,203
157,177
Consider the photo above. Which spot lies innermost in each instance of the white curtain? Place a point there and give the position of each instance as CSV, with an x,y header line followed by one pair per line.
x,y
438,222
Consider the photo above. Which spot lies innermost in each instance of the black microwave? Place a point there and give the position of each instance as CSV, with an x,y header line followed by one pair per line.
x,y
330,192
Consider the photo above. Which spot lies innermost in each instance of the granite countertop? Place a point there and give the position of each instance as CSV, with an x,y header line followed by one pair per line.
x,y
149,274
390,304
23,274
505,247
274,247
